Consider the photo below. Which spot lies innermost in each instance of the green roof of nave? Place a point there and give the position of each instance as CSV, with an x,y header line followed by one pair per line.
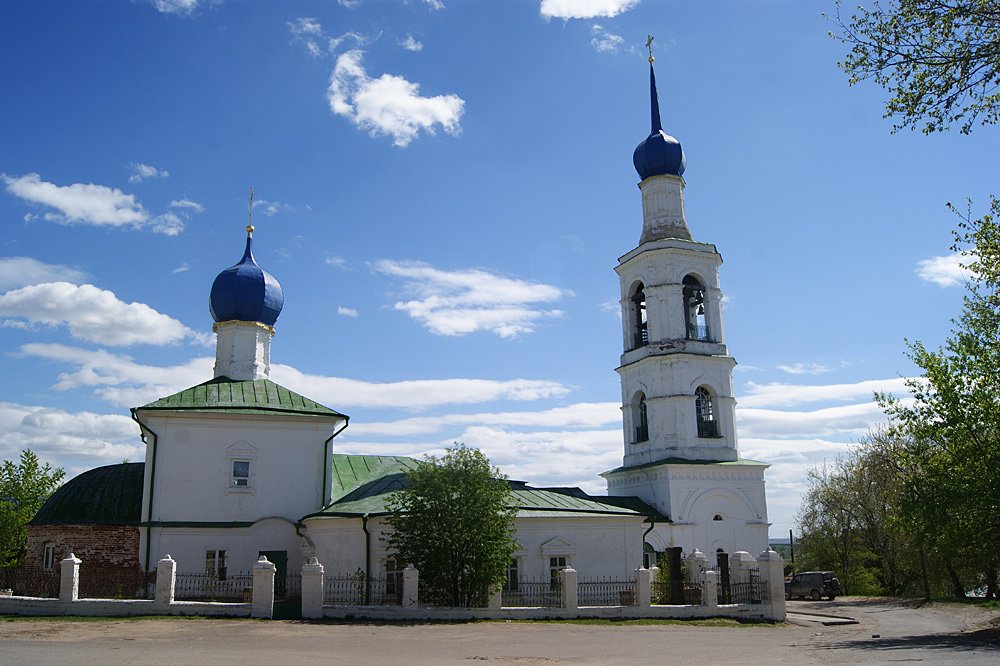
x,y
363,485
225,395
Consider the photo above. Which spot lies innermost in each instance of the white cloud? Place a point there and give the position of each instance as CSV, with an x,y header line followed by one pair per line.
x,y
466,301
585,9
141,172
805,369
76,441
79,202
604,41
340,392
944,271
168,224
852,420
436,5
579,415
92,314
121,381
179,7
188,205
270,208
411,44
309,32
336,262
183,268
787,395
389,105
349,4
347,312
20,271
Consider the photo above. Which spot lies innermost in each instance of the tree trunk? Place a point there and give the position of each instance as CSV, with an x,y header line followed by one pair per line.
x,y
991,580
956,583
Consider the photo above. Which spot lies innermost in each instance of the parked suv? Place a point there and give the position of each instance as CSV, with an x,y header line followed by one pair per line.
x,y
813,584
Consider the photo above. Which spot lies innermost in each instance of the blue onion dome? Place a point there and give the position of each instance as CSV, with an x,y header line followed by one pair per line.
x,y
660,154
246,292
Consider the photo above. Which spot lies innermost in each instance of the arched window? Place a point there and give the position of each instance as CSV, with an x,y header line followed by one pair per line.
x,y
639,418
639,327
649,558
705,413
694,309
49,557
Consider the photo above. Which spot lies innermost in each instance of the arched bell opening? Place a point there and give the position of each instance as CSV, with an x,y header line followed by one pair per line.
x,y
695,325
638,325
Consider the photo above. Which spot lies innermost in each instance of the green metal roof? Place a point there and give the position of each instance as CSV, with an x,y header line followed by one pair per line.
x,y
109,495
742,462
240,397
363,485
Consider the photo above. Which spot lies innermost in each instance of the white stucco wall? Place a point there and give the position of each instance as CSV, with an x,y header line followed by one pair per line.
x,y
187,545
595,545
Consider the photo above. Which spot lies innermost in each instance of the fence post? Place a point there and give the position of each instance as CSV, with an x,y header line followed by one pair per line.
x,y
312,589
740,563
69,578
643,591
696,563
166,581
772,576
570,596
710,587
411,586
263,589
495,601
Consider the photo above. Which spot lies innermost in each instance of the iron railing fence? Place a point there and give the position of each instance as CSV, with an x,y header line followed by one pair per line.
x,y
203,587
749,590
606,592
30,583
675,593
538,593
97,582
293,586
354,590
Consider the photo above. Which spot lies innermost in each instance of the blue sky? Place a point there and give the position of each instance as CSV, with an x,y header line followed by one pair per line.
x,y
443,190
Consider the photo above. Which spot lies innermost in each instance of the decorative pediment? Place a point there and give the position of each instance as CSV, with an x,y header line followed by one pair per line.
x,y
558,546
241,446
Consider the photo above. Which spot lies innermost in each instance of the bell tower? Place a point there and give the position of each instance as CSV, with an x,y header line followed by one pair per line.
x,y
679,414
676,372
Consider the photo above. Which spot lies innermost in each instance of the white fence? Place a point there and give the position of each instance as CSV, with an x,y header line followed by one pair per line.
x,y
754,590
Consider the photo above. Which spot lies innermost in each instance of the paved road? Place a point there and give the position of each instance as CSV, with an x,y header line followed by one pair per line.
x,y
935,634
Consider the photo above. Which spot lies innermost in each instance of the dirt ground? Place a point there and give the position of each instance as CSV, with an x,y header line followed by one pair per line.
x,y
887,631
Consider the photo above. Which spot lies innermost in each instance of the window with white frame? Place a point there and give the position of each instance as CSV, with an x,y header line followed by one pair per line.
x,y
241,474
556,564
393,578
512,582
49,557
215,564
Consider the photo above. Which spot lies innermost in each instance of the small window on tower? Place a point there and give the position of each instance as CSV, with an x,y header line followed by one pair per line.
x,y
640,327
641,420
241,473
705,411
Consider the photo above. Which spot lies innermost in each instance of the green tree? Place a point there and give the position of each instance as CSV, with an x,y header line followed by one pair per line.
x,y
952,494
454,523
24,487
938,59
848,520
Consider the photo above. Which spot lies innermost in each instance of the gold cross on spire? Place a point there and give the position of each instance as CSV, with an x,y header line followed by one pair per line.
x,y
250,226
649,45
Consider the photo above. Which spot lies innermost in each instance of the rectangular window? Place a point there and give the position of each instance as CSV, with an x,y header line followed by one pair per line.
x,y
241,473
215,564
512,583
393,579
556,564
49,557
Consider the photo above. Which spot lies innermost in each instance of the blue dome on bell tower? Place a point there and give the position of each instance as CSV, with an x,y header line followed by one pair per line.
x,y
246,292
660,154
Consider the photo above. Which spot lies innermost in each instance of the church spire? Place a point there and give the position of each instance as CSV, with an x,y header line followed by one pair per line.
x,y
655,126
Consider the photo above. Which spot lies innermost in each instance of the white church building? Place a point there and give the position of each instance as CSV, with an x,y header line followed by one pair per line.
x,y
239,466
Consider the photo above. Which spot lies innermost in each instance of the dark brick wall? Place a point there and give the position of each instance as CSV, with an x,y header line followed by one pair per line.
x,y
99,546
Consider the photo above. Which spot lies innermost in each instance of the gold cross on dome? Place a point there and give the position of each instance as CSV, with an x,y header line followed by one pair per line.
x,y
649,45
250,214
